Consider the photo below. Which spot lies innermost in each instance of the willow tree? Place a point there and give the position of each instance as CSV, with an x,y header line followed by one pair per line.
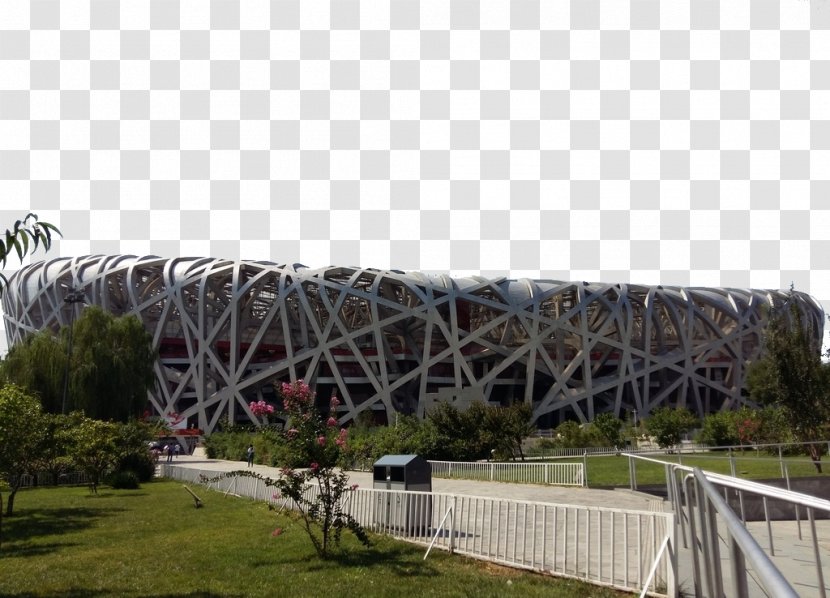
x,y
111,366
109,373
790,375
38,363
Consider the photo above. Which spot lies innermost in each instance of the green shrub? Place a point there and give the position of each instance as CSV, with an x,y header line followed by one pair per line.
x,y
123,480
139,464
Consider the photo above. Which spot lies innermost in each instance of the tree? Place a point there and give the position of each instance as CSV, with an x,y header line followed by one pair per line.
x,y
315,445
608,426
38,364
790,375
53,452
668,425
93,447
132,454
24,238
110,371
21,430
719,429
508,427
458,433
112,365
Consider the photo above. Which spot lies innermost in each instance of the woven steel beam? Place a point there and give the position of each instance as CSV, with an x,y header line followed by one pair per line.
x,y
386,341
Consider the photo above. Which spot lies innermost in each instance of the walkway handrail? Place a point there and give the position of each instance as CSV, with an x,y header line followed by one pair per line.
x,y
705,483
791,496
740,539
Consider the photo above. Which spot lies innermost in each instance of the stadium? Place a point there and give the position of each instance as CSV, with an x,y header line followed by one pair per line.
x,y
389,342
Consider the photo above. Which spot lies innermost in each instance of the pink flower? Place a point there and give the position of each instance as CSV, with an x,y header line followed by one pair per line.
x,y
331,422
343,433
276,532
321,440
276,496
334,402
314,467
354,487
340,442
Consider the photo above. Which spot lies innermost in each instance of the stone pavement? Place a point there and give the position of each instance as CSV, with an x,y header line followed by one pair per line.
x,y
794,557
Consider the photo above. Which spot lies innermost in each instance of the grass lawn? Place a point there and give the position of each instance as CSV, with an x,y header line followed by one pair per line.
x,y
613,471
153,542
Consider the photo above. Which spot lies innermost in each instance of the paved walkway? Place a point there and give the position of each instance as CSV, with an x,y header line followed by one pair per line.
x,y
794,557
620,499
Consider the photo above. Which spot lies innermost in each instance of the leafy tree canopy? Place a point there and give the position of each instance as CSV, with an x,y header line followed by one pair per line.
x,y
21,430
111,367
668,425
790,375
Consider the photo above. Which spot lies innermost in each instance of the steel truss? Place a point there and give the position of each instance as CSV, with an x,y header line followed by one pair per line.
x,y
394,342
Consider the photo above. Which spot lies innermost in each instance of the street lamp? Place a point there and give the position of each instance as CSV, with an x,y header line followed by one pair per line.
x,y
72,297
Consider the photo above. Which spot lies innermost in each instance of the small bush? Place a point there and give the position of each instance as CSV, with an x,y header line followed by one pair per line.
x,y
123,480
138,463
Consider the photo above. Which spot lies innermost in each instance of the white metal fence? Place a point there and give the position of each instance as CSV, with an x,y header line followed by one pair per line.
x,y
558,474
611,547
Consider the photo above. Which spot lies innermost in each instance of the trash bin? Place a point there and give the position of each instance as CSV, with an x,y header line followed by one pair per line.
x,y
410,514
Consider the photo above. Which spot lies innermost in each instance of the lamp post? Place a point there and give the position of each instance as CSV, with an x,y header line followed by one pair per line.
x,y
72,297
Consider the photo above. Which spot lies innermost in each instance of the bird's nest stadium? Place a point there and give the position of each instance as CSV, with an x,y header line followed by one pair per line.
x,y
387,341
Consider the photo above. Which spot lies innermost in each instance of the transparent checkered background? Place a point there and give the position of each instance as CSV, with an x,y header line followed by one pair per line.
x,y
676,142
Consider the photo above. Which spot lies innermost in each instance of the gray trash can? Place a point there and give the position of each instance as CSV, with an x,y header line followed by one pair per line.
x,y
409,514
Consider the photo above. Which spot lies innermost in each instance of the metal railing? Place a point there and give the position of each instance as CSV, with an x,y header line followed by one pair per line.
x,y
621,548
557,474
682,448
48,479
699,506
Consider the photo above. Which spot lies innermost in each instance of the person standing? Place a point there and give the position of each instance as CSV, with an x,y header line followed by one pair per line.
x,y
250,455
177,449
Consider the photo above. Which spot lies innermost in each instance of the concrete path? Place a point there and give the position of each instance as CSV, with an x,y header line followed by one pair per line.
x,y
621,499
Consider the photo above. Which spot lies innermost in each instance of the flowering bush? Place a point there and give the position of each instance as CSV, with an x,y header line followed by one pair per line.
x,y
314,444
261,409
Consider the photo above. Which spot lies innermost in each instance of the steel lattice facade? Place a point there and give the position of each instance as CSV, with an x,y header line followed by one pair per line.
x,y
395,342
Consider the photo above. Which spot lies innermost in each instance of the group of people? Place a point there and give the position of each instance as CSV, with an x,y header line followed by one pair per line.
x,y
170,449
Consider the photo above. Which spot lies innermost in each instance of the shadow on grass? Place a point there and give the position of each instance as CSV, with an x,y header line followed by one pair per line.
x,y
117,493
20,532
85,592
399,560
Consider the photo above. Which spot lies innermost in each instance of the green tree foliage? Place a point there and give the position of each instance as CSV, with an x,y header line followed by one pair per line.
x,y
53,453
668,425
38,364
790,375
132,454
459,433
94,447
506,428
112,365
719,429
24,238
110,372
608,426
21,432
